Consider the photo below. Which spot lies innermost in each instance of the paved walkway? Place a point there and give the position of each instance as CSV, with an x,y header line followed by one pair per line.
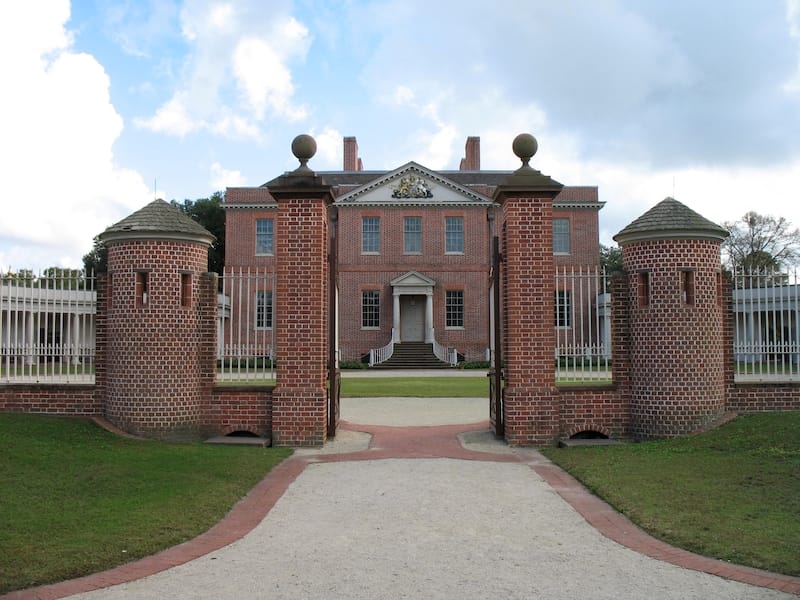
x,y
431,506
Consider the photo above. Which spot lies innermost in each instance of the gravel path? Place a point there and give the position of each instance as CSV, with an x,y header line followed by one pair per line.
x,y
424,528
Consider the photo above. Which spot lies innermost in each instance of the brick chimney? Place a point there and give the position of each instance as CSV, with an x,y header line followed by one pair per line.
x,y
351,160
472,151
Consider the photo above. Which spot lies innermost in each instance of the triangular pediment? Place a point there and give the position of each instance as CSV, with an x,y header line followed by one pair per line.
x,y
412,184
412,279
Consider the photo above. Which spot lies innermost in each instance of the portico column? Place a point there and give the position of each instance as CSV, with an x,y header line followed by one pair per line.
x,y
396,318
429,317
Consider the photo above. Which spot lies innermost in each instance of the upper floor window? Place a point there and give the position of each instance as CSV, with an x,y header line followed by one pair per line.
x,y
412,235
370,309
264,309
370,235
454,235
454,308
265,238
561,236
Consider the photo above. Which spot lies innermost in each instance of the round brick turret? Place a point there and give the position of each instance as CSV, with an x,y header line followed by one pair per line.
x,y
672,259
157,260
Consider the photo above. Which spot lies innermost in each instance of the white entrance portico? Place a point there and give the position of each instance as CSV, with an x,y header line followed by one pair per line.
x,y
409,322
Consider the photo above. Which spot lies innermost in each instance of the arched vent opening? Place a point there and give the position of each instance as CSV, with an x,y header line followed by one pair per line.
x,y
242,433
588,435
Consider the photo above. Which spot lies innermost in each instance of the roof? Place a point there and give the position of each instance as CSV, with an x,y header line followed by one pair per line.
x,y
159,219
478,183
669,219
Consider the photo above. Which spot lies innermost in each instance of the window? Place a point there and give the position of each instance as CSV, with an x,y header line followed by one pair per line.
x,y
687,287
265,238
412,235
454,308
370,309
563,308
186,290
264,309
370,235
561,236
141,289
644,288
454,235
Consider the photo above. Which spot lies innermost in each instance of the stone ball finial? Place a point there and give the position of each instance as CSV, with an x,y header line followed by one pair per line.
x,y
525,146
304,147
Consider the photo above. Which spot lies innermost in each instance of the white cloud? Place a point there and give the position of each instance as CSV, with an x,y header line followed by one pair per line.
x,y
222,178
58,130
793,22
237,71
329,150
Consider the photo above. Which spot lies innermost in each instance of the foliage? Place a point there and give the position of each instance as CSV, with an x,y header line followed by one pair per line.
x,y
210,214
96,260
611,259
475,364
77,499
352,364
761,243
53,278
732,493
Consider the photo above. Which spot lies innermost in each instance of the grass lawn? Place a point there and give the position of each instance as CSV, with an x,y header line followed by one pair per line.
x,y
422,387
76,499
732,493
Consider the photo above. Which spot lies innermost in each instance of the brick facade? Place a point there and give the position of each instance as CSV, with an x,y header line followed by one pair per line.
x,y
466,193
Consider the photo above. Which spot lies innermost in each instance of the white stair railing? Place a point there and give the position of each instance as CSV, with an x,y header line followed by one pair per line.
x,y
379,355
445,354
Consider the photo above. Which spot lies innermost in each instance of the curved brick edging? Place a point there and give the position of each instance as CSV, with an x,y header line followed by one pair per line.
x,y
409,443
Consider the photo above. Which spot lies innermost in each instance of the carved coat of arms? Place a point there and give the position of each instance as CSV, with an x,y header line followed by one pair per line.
x,y
412,186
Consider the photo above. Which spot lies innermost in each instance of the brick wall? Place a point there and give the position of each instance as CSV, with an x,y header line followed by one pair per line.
x,y
234,408
676,373
67,400
154,368
604,410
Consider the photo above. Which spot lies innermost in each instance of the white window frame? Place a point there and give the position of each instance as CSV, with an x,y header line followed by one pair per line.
x,y
454,234
412,237
561,236
370,238
265,240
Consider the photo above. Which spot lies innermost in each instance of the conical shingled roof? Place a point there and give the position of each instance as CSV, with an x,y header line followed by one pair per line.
x,y
158,220
669,219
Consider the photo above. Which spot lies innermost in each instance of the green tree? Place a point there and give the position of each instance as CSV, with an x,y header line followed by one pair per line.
x,y
210,214
61,278
96,261
759,243
611,259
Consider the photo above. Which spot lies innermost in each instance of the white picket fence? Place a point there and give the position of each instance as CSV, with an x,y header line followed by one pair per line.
x,y
766,331
47,328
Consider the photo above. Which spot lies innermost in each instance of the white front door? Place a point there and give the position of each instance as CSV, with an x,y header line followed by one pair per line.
x,y
412,318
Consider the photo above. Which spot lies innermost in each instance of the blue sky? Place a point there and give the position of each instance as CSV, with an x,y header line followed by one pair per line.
x,y
110,102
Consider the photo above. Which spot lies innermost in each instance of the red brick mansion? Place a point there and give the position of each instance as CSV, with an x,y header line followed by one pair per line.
x,y
412,246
